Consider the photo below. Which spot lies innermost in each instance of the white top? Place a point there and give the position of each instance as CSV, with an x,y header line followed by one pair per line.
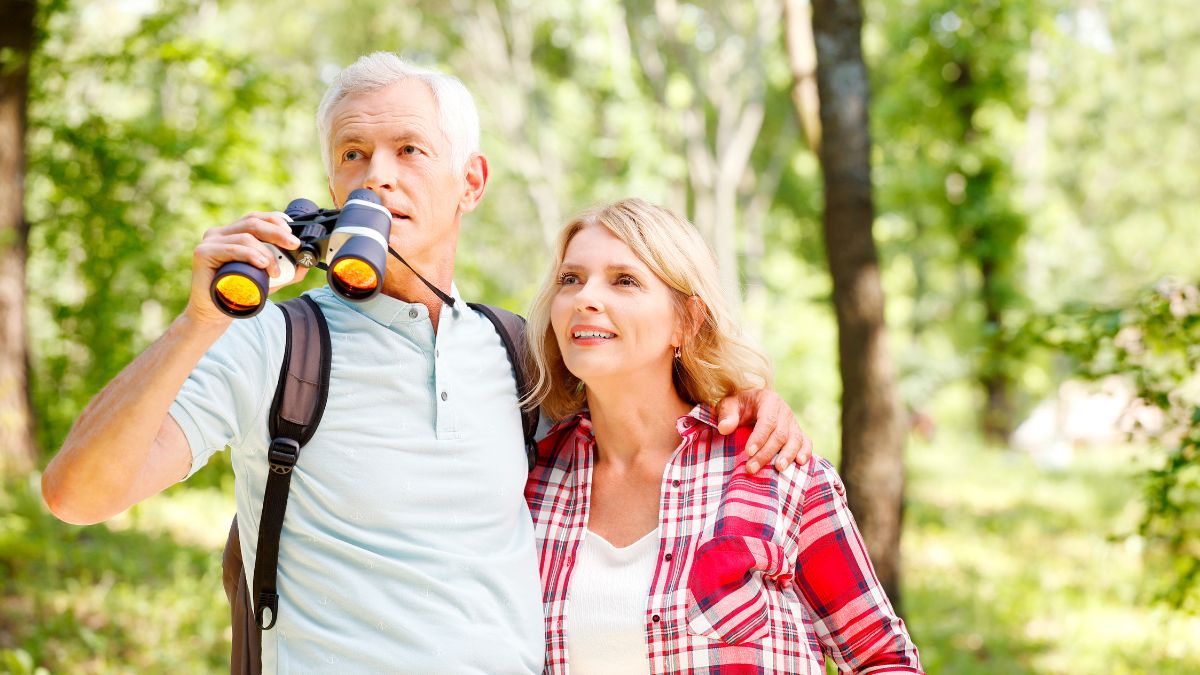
x,y
407,543
606,627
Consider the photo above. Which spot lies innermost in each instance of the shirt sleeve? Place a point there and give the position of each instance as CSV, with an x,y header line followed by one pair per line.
x,y
229,391
854,619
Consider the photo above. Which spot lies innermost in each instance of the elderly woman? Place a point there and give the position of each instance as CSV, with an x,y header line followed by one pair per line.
x,y
659,553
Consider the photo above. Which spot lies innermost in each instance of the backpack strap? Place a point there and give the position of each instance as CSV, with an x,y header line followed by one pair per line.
x,y
296,411
511,328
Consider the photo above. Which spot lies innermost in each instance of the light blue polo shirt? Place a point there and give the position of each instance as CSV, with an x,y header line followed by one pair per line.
x,y
407,544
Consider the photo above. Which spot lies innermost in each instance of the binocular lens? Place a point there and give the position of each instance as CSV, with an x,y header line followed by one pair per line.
x,y
238,293
355,278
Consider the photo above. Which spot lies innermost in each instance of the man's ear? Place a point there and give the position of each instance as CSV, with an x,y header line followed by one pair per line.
x,y
476,176
332,197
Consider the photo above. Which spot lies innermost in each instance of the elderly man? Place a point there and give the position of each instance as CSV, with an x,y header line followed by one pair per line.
x,y
407,543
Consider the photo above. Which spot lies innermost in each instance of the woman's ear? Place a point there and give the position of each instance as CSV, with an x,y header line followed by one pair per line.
x,y
697,312
692,319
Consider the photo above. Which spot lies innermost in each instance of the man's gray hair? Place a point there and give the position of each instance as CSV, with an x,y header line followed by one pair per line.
x,y
457,115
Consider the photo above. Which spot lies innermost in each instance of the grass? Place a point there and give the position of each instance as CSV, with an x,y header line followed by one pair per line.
x,y
140,594
1007,570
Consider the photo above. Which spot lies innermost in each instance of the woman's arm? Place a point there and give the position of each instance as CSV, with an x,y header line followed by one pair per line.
x,y
853,617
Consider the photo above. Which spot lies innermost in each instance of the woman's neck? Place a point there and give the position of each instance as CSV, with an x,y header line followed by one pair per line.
x,y
635,427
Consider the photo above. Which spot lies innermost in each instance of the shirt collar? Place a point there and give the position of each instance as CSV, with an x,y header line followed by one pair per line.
x,y
702,415
388,311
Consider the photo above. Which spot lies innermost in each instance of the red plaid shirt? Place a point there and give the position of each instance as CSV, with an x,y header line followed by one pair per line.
x,y
755,574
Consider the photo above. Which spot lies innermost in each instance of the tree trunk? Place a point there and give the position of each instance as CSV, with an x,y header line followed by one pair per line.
x,y
802,58
998,410
872,434
17,453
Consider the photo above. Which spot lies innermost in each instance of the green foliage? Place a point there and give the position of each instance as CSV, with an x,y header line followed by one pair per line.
x,y
137,145
139,594
1120,144
950,86
1155,342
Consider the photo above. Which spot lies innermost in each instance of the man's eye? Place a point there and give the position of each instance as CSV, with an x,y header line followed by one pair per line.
x,y
568,279
352,155
409,150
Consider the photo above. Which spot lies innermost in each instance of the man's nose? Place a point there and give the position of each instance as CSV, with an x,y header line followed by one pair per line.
x,y
381,174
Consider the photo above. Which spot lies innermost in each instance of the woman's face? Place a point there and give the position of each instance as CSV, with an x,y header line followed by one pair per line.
x,y
613,318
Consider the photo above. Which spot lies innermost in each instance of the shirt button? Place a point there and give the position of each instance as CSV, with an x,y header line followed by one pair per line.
x,y
656,618
687,423
445,396
675,483
412,313
667,557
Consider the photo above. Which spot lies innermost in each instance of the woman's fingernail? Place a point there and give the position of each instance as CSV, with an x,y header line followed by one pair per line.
x,y
752,449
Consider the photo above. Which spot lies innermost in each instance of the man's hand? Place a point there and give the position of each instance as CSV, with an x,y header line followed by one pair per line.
x,y
776,435
242,241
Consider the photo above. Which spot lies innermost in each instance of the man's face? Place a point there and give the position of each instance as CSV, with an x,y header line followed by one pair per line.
x,y
390,142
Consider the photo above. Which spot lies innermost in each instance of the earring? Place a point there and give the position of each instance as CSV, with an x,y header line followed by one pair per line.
x,y
677,352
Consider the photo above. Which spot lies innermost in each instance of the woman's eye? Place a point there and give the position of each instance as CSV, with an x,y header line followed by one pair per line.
x,y
351,155
626,280
568,279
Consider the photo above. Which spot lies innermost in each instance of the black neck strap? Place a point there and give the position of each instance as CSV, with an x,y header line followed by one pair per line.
x,y
436,291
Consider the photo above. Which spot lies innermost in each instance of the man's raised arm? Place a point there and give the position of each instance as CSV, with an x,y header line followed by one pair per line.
x,y
125,446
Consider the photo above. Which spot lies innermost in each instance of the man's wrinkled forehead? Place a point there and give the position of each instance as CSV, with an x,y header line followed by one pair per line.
x,y
406,109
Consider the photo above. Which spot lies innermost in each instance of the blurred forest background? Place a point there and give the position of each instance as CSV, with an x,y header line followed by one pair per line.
x,y
1034,170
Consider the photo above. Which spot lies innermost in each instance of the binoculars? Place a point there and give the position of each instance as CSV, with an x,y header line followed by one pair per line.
x,y
350,243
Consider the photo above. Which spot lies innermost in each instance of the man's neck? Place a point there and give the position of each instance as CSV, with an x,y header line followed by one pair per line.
x,y
402,284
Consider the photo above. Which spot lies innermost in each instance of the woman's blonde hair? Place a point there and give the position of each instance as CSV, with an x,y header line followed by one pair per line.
x,y
715,359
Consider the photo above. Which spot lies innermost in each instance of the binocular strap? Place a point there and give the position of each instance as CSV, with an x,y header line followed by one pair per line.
x,y
442,295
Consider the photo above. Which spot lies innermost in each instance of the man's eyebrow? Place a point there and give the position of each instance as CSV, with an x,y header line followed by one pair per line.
x,y
354,138
347,139
409,135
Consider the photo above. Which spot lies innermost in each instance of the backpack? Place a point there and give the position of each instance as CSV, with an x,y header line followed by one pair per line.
x,y
296,410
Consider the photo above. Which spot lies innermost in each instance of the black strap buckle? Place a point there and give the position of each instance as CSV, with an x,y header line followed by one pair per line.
x,y
282,455
267,602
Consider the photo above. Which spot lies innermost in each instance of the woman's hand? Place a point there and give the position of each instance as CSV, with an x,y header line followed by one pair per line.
x,y
776,436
